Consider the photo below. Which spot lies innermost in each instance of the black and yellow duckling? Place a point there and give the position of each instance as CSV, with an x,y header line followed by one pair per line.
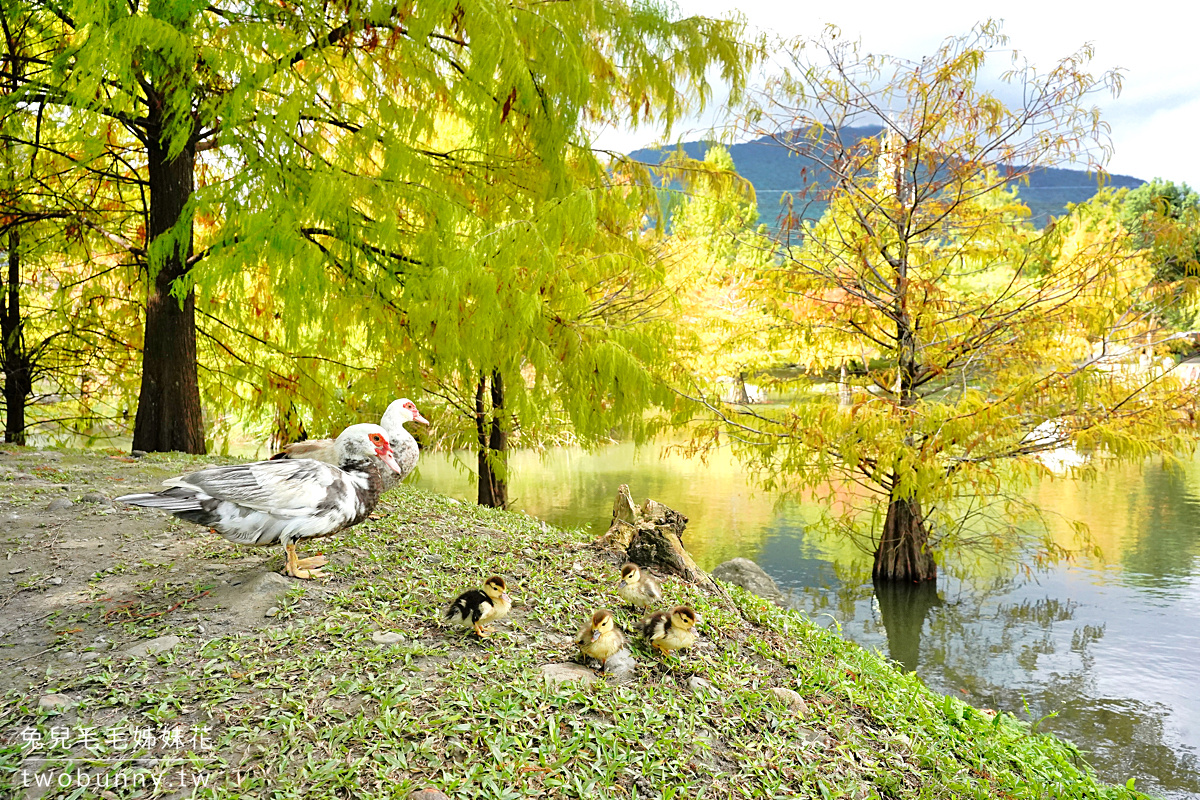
x,y
600,638
638,588
477,607
674,630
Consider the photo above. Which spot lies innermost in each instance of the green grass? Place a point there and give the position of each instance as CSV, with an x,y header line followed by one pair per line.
x,y
310,707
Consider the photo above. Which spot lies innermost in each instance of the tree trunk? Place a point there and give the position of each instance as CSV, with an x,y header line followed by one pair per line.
x,y
493,444
18,369
901,554
169,415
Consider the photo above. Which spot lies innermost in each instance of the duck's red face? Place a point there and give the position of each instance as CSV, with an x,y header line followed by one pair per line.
x,y
383,449
416,415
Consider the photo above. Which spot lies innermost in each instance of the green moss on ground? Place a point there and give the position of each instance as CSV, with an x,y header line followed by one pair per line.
x,y
311,706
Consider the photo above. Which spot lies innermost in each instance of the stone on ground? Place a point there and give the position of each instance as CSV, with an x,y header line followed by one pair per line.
x,y
565,673
750,576
152,647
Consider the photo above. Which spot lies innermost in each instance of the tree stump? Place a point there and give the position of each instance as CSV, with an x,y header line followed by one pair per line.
x,y
652,537
624,520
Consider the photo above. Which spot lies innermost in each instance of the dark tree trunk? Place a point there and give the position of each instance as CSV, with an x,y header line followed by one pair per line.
x,y
168,415
902,554
18,368
493,444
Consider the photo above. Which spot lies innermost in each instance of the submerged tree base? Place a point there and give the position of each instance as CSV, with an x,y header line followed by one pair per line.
x,y
902,554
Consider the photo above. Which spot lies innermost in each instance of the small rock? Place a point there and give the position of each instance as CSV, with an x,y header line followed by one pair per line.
x,y
152,647
791,699
432,558
564,673
199,629
427,794
17,571
814,737
698,685
452,501
138,453
55,702
386,637
620,666
750,576
273,611
22,476
59,504
96,497
55,581
68,656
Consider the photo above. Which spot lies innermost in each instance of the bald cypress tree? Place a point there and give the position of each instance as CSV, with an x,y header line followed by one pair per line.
x,y
302,166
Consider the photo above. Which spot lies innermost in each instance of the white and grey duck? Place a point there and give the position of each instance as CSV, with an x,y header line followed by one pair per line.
x,y
284,501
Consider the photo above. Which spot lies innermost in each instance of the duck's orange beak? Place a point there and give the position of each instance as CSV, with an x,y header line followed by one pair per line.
x,y
384,451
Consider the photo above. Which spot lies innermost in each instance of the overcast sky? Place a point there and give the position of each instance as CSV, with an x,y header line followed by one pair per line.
x,y
1155,121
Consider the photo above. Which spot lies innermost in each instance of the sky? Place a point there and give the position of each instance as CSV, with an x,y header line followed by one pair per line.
x,y
1155,120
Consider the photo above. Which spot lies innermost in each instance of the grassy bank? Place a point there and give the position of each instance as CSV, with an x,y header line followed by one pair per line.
x,y
308,702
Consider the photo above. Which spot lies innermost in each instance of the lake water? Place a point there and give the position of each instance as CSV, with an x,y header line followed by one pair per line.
x,y
1108,644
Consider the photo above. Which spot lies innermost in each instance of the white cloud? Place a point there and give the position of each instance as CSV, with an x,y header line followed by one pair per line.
x,y
1155,120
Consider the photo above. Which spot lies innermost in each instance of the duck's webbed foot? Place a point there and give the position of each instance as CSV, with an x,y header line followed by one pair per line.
x,y
303,568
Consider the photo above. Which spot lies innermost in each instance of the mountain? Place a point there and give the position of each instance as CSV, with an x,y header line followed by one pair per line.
x,y
773,170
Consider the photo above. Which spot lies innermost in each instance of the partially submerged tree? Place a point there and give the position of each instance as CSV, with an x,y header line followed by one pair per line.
x,y
967,336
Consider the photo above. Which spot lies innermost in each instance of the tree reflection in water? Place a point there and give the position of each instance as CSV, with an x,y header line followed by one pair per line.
x,y
1029,656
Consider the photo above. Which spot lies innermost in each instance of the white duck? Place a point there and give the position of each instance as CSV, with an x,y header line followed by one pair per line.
x,y
283,501
403,444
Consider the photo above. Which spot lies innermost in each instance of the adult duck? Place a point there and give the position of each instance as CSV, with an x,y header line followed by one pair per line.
x,y
404,446
284,501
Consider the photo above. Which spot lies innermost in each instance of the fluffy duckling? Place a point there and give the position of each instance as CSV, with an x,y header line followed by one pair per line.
x,y
637,588
670,631
600,638
477,607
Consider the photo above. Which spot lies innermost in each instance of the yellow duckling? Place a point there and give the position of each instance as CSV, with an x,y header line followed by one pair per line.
x,y
600,638
477,607
637,588
671,631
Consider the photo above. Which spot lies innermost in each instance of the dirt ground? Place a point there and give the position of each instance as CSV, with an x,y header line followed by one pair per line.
x,y
81,577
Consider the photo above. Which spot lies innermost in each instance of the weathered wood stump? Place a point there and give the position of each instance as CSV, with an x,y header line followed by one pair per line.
x,y
652,537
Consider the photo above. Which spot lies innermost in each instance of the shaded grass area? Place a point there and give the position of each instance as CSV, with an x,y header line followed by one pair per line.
x,y
312,706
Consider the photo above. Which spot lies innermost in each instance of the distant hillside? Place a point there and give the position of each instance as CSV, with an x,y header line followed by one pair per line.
x,y
774,170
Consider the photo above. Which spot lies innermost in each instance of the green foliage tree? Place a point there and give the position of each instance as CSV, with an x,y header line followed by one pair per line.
x,y
61,311
970,334
712,253
307,163
1164,217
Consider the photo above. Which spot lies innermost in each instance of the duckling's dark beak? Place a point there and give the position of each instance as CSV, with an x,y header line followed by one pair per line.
x,y
621,583
507,599
595,634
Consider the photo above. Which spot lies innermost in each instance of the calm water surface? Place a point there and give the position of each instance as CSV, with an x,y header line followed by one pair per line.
x,y
1109,644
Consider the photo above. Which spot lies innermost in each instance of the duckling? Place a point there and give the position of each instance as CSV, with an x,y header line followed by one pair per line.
x,y
671,631
477,607
637,588
600,638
